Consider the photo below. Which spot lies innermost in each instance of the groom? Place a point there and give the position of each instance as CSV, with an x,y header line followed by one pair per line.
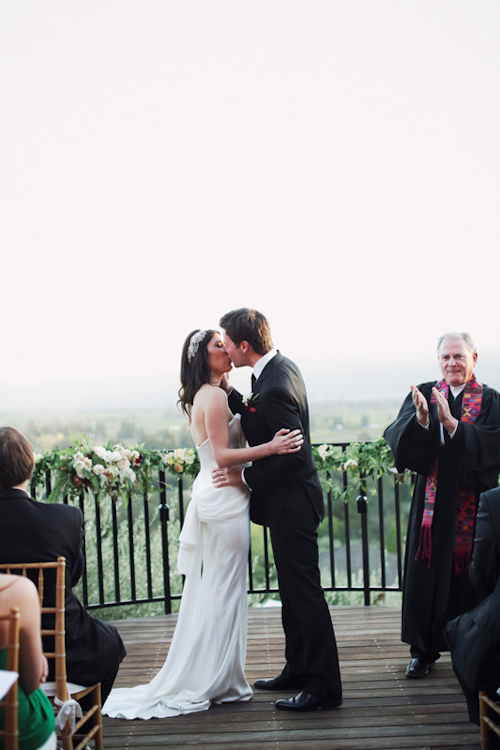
x,y
286,497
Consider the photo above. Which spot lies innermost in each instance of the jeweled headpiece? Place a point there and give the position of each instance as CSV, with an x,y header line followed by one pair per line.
x,y
194,343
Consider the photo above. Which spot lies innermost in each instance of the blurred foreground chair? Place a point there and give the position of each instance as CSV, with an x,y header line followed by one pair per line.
x,y
9,701
489,717
64,695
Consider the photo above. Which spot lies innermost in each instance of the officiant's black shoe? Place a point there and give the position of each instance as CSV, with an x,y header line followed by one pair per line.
x,y
418,668
278,683
307,702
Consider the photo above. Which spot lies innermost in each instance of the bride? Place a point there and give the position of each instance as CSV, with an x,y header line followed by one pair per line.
x,y
206,659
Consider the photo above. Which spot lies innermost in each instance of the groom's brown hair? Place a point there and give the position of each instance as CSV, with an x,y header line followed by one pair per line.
x,y
249,325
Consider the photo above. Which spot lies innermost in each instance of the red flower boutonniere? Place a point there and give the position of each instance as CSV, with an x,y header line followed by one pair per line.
x,y
250,400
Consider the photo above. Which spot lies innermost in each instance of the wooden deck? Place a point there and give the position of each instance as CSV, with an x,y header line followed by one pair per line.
x,y
383,710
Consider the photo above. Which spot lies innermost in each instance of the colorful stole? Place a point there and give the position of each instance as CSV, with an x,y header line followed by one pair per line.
x,y
464,530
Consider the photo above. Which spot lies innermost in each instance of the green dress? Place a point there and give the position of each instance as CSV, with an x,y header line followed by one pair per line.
x,y
35,715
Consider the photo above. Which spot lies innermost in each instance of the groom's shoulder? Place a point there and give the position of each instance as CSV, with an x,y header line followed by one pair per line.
x,y
284,369
289,365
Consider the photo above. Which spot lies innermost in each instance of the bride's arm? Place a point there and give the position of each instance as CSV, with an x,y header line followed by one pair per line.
x,y
216,412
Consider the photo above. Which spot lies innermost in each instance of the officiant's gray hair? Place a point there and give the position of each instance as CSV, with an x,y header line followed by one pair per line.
x,y
457,335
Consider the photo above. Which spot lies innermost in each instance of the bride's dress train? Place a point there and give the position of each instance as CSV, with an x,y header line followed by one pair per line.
x,y
206,659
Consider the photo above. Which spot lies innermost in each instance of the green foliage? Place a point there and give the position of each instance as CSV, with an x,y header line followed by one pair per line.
x,y
358,461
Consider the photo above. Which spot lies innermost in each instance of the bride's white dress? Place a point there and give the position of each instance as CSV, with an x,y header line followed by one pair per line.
x,y
206,659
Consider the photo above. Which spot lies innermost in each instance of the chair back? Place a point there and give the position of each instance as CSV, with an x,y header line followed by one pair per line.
x,y
56,613
61,692
489,711
9,703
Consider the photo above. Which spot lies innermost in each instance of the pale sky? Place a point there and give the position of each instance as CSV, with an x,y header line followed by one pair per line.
x,y
334,163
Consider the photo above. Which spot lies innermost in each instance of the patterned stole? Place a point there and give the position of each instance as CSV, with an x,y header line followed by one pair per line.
x,y
464,529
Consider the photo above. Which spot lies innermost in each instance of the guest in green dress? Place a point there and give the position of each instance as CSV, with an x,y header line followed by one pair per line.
x,y
35,713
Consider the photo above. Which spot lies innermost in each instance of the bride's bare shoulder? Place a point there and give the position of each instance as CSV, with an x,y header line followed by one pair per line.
x,y
210,394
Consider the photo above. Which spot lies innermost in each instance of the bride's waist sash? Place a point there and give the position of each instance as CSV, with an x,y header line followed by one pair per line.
x,y
219,504
208,504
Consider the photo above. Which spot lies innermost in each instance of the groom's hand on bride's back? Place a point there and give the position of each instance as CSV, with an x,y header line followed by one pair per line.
x,y
229,477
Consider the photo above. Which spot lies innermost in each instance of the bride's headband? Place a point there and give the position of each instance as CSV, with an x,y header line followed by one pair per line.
x,y
194,343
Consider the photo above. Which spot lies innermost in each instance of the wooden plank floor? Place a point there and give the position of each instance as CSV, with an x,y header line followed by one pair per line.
x,y
383,710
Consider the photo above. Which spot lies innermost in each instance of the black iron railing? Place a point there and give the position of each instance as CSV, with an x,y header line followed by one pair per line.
x,y
131,548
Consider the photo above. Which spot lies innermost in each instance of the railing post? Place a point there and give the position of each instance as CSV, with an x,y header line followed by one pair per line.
x,y
116,559
362,502
100,573
164,515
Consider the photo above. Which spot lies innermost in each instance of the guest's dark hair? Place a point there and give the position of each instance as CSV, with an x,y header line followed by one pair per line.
x,y
16,458
194,368
248,325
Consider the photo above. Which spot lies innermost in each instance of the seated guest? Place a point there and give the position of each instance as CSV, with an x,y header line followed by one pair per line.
x,y
31,531
484,573
35,714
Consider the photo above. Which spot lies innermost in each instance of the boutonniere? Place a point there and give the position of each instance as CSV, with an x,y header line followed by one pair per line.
x,y
250,400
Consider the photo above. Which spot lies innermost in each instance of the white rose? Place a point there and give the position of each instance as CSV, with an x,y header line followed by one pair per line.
x,y
351,463
80,469
100,452
98,470
127,476
123,464
116,456
324,451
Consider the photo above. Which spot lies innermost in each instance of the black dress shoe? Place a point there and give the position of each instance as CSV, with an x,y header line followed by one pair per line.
x,y
307,702
277,683
418,668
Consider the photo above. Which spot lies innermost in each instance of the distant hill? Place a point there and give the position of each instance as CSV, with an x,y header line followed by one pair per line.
x,y
325,382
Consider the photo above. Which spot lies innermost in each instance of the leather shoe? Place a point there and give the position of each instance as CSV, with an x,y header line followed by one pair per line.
x,y
307,702
417,668
277,683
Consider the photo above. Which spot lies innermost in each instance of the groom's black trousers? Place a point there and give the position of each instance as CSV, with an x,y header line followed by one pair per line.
x,y
311,649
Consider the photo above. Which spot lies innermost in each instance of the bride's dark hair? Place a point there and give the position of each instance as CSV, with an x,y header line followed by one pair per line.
x,y
194,369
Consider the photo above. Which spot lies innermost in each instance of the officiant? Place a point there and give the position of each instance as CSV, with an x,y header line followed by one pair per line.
x,y
448,432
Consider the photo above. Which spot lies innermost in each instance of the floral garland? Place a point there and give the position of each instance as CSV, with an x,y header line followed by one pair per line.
x,y
121,472
112,470
359,461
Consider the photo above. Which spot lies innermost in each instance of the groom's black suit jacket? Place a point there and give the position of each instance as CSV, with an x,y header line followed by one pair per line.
x,y
286,490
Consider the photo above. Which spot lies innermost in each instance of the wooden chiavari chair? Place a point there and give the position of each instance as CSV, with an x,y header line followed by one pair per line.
x,y
63,694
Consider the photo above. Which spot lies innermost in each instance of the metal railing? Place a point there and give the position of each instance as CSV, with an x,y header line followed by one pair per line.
x,y
131,548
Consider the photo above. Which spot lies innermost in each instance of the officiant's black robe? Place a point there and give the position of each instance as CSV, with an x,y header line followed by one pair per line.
x,y
470,460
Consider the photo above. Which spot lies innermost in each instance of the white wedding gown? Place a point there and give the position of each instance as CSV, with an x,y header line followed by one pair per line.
x,y
206,659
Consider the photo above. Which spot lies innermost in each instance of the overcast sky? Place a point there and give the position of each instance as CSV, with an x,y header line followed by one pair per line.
x,y
333,163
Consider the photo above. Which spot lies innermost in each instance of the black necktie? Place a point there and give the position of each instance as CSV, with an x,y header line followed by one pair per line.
x,y
254,379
